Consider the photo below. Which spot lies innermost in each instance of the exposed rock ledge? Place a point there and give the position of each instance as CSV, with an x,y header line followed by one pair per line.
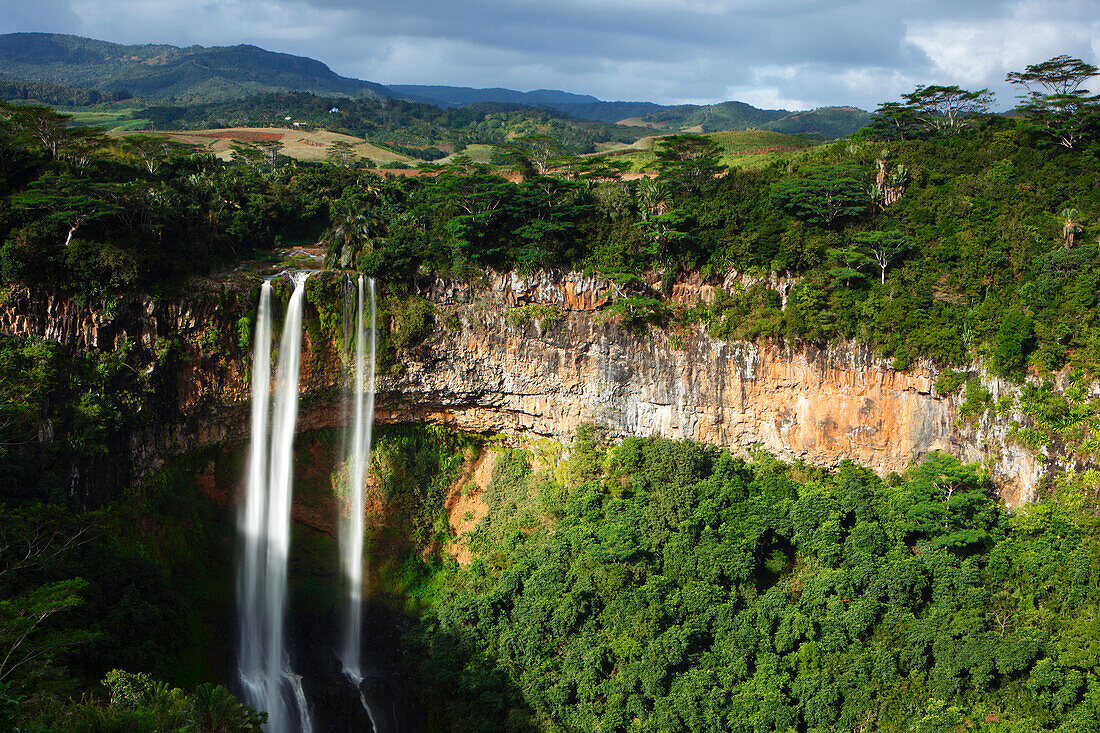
x,y
482,370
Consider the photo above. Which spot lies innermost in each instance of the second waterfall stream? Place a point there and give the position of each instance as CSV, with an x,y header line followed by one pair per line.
x,y
357,461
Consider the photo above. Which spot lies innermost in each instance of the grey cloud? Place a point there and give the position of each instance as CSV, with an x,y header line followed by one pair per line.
x,y
813,51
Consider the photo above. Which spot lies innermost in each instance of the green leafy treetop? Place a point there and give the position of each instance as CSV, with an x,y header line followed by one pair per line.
x,y
947,109
689,162
1055,102
823,194
932,110
1060,75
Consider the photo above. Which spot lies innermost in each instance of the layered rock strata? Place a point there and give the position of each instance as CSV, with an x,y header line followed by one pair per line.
x,y
534,357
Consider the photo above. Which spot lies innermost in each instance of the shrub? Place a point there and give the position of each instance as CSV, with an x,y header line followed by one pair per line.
x,y
1013,341
950,382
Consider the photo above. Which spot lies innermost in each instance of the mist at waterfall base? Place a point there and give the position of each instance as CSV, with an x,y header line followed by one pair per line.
x,y
305,693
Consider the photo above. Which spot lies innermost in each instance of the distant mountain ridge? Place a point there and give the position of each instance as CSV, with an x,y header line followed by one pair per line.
x,y
198,75
459,96
825,122
169,73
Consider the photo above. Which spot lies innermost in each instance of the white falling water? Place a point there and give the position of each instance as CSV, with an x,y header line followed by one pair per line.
x,y
358,459
268,681
252,520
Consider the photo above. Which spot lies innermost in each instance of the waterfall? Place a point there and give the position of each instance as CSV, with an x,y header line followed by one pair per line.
x,y
249,583
264,664
357,462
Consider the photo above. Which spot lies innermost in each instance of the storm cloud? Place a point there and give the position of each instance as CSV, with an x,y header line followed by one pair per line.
x,y
795,54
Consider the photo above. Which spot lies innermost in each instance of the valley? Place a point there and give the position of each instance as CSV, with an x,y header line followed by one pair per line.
x,y
326,409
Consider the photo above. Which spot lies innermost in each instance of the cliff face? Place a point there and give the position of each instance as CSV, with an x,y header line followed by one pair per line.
x,y
499,373
534,358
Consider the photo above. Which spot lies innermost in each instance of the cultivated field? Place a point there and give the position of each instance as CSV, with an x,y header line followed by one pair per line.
x,y
113,118
478,153
306,145
740,148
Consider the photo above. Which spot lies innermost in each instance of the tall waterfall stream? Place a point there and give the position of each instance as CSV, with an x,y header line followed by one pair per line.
x,y
264,666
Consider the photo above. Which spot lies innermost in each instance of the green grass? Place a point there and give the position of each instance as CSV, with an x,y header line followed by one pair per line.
x,y
477,152
737,140
737,146
752,162
110,117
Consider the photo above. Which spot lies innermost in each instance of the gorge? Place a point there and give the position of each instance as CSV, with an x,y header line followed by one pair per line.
x,y
512,360
532,358
716,431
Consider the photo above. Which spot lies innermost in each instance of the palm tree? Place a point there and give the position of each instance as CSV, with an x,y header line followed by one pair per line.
x,y
1070,229
653,195
352,231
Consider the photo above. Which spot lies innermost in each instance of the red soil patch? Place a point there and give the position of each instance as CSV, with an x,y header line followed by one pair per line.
x,y
403,172
772,149
464,505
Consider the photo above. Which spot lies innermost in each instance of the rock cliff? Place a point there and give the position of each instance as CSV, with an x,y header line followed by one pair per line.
x,y
534,357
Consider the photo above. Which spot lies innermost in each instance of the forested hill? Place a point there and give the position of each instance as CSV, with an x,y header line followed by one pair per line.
x,y
826,122
75,71
412,128
169,73
445,96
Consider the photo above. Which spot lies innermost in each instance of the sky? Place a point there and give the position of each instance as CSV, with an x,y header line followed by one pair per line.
x,y
791,54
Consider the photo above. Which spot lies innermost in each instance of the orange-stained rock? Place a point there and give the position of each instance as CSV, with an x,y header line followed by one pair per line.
x,y
483,371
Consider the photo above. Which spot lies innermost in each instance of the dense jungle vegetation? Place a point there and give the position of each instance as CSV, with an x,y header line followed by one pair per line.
x,y
652,585
666,586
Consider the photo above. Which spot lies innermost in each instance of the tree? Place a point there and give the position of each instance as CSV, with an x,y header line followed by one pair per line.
x,y
653,196
341,153
595,167
68,201
688,162
894,121
141,703
32,540
822,194
665,231
214,709
849,263
1059,75
946,109
46,126
883,246
535,153
1055,101
270,151
246,154
151,150
1011,344
352,231
24,640
1070,228
82,145
889,184
13,139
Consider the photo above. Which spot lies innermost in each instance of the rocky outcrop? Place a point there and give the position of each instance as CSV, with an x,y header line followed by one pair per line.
x,y
534,357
